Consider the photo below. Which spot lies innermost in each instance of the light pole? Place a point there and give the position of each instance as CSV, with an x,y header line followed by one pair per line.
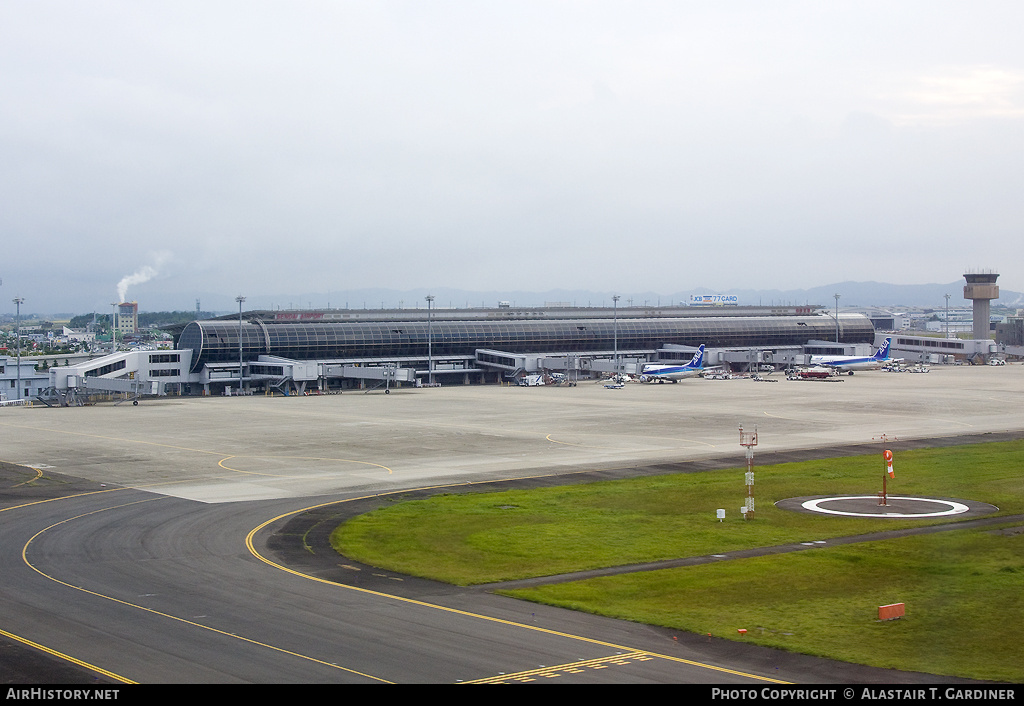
x,y
430,348
17,335
113,328
947,314
837,317
239,299
615,332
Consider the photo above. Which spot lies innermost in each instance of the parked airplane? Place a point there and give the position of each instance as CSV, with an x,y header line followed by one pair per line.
x,y
674,373
849,363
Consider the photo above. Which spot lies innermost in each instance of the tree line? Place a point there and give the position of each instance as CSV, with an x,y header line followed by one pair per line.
x,y
146,318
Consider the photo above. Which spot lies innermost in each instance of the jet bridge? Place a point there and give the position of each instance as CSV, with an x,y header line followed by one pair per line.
x,y
78,390
386,374
134,388
389,373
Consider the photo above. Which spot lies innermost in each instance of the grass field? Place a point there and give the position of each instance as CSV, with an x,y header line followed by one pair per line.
x,y
962,589
484,537
964,593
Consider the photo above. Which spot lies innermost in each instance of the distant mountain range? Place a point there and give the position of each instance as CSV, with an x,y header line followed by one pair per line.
x,y
851,294
876,294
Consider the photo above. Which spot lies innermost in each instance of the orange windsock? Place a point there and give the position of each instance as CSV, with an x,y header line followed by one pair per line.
x,y
887,455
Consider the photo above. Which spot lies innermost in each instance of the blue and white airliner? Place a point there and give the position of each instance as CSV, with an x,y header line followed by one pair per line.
x,y
674,373
849,363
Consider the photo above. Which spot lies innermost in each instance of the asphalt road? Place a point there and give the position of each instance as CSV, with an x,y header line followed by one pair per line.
x,y
145,547
161,590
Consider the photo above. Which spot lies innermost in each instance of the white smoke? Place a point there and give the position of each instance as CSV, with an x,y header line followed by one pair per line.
x,y
143,274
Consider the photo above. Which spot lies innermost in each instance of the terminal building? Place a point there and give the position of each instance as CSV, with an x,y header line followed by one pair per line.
x,y
931,349
321,351
335,349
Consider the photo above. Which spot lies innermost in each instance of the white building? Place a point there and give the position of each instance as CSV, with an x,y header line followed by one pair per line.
x,y
931,349
32,381
79,336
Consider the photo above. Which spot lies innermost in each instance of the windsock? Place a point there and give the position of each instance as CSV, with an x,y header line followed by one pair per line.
x,y
887,455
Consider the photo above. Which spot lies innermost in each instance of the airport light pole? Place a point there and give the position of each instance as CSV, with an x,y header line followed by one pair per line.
x,y
239,299
113,328
430,351
615,333
947,314
837,317
17,334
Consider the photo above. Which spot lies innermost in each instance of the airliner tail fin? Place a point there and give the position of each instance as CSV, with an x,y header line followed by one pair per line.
x,y
883,352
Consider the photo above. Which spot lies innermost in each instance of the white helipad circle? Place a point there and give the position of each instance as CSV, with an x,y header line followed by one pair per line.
x,y
955,508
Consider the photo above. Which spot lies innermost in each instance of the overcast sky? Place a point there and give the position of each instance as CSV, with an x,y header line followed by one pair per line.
x,y
275,149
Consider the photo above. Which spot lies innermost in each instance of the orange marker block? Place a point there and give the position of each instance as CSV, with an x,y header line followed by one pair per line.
x,y
892,611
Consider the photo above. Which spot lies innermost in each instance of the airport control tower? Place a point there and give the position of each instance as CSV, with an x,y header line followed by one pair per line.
x,y
981,288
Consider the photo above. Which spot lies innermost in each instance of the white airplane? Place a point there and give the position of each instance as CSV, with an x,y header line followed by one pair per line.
x,y
674,373
849,363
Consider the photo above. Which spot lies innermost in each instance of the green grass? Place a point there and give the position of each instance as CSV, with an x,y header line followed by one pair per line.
x,y
963,594
962,588
486,537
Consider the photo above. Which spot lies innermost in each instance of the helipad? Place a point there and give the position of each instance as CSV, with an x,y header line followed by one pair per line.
x,y
899,507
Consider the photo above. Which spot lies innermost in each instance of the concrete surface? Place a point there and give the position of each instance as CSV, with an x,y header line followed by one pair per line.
x,y
257,448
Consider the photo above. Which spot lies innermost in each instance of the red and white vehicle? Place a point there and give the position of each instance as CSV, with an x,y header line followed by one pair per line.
x,y
814,373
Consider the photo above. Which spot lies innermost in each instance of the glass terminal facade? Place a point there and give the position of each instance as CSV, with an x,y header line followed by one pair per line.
x,y
218,341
